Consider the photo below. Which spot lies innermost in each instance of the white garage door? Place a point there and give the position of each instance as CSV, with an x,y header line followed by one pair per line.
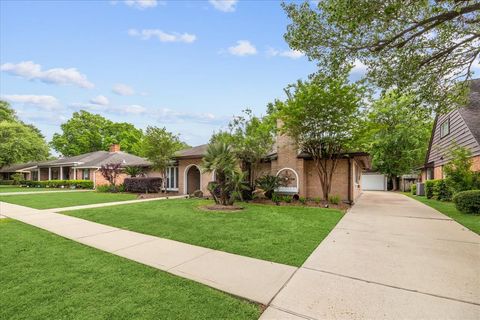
x,y
373,182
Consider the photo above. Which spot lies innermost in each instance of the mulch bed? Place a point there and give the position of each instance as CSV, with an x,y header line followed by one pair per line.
x,y
218,207
309,203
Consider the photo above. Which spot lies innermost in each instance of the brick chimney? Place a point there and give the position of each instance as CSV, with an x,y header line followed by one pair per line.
x,y
115,147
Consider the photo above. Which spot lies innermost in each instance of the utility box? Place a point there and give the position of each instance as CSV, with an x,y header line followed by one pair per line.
x,y
420,189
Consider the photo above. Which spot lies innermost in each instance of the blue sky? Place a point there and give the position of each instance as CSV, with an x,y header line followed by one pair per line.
x,y
186,65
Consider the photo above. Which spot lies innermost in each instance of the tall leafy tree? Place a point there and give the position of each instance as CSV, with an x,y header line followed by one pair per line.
x,y
19,142
251,139
422,46
323,117
159,146
86,132
399,134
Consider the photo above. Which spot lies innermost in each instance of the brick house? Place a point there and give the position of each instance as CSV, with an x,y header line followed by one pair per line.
x,y
82,167
294,167
461,127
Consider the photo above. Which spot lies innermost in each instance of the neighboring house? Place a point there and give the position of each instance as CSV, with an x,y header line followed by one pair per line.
x,y
82,167
460,127
7,172
295,168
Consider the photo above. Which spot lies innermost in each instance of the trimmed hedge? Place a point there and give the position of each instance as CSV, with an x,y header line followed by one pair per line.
x,y
6,182
413,189
438,189
79,184
468,201
153,184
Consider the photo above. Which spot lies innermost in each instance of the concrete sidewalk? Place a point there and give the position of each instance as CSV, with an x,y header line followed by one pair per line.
x,y
40,192
253,279
390,257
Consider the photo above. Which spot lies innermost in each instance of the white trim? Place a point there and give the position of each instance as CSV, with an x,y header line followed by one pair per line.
x,y
288,189
49,173
185,176
61,173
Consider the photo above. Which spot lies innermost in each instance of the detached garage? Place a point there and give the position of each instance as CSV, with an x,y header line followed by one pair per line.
x,y
374,181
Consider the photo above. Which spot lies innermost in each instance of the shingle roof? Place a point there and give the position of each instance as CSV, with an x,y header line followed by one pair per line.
x,y
471,112
195,152
18,167
99,158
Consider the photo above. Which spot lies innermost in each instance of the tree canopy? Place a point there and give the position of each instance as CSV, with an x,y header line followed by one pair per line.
x,y
423,47
86,132
19,142
398,134
323,117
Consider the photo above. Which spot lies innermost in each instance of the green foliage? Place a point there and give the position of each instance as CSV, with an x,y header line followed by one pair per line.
x,y
17,178
251,139
317,200
413,189
80,184
429,188
104,188
133,171
459,175
6,182
302,200
412,46
397,133
438,189
110,172
323,117
87,132
221,159
468,201
268,183
19,142
159,146
335,199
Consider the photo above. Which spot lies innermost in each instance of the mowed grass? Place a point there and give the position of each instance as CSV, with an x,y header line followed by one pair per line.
x,y
9,188
43,276
275,233
471,221
65,199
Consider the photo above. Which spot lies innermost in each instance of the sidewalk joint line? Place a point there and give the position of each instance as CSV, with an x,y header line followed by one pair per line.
x,y
394,287
190,260
292,312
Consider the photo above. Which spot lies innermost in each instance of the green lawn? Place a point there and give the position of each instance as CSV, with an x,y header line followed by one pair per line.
x,y
65,199
276,233
470,221
44,276
9,188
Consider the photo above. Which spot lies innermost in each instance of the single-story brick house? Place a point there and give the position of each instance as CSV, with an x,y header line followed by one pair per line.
x,y
82,167
461,127
296,168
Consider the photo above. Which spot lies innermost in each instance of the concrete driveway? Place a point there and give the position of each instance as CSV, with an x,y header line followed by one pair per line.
x,y
390,257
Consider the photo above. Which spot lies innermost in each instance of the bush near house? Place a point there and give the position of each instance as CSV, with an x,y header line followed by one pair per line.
x,y
6,182
468,201
153,184
80,184
413,189
438,189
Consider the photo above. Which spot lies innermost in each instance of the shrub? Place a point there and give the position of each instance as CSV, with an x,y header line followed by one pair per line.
x,y
468,201
6,182
197,194
429,188
335,199
458,171
17,178
268,184
302,200
80,184
104,188
317,200
133,171
287,199
413,189
441,190
276,198
153,184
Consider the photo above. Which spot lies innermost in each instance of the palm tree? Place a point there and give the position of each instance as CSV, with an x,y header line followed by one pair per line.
x,y
220,158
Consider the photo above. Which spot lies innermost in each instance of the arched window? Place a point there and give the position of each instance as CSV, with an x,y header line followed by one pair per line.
x,y
288,181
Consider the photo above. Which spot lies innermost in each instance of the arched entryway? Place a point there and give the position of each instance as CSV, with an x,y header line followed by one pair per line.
x,y
192,179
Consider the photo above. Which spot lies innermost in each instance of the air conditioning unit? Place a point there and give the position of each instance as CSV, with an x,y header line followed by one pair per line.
x,y
420,189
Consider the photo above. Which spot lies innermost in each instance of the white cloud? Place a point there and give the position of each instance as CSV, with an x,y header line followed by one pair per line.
x,y
42,101
100,100
134,109
359,67
123,89
292,54
165,114
32,71
139,4
243,48
224,5
146,34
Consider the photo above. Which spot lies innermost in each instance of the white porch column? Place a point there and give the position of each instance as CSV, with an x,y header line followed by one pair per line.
x,y
74,173
38,178
49,173
61,173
